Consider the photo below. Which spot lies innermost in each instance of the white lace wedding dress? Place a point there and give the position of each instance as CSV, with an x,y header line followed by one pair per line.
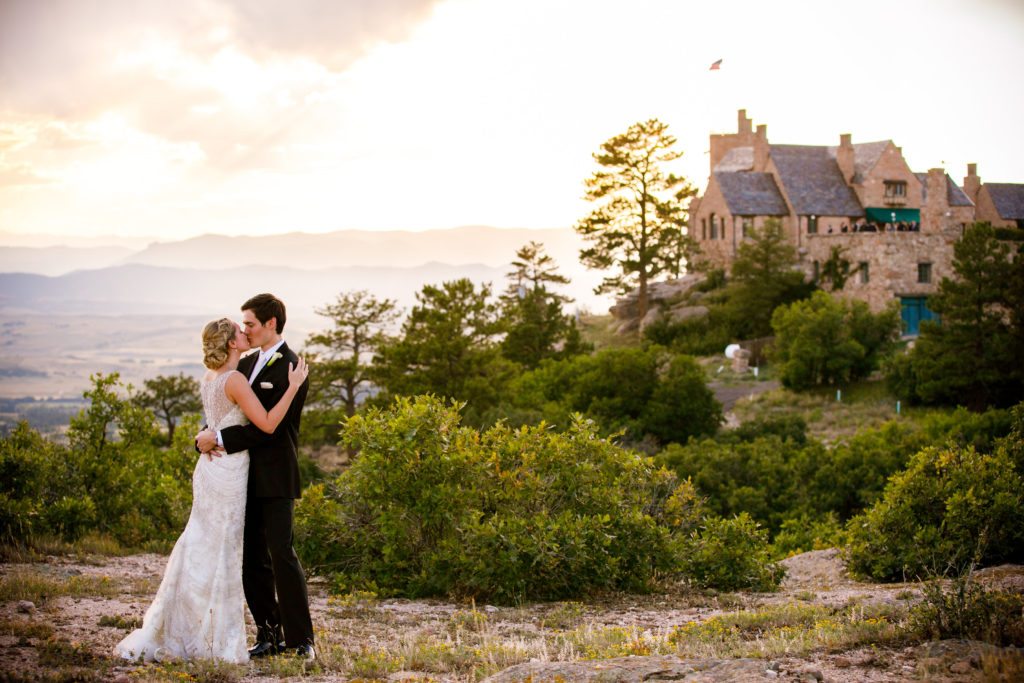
x,y
199,610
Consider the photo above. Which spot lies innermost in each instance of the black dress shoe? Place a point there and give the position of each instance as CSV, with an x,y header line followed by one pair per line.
x,y
305,652
269,641
264,648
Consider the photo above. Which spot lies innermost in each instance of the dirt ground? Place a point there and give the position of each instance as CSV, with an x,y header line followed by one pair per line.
x,y
127,585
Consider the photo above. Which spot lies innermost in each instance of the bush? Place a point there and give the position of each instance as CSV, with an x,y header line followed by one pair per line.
x,y
111,479
754,477
646,393
825,340
697,336
729,554
432,507
808,532
965,609
951,508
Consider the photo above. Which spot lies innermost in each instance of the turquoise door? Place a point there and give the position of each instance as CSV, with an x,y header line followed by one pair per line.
x,y
914,310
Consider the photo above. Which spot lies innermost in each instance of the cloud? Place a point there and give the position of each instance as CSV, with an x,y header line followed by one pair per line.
x,y
330,32
69,58
20,175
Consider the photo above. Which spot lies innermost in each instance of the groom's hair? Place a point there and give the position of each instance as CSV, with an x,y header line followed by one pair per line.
x,y
265,307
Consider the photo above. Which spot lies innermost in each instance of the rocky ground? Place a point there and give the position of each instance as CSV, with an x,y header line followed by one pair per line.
x,y
81,608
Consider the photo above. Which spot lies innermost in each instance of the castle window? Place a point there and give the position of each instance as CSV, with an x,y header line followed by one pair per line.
x,y
924,272
817,272
865,276
714,228
703,228
812,225
721,226
748,225
895,188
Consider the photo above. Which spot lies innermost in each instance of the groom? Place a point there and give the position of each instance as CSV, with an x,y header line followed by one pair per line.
x,y
269,563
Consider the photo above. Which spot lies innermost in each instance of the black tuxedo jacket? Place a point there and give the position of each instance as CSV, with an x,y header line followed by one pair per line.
x,y
273,458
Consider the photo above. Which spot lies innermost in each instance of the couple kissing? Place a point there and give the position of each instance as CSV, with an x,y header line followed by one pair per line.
x,y
236,548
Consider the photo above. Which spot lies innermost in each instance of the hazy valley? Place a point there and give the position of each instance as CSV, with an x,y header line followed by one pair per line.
x,y
69,311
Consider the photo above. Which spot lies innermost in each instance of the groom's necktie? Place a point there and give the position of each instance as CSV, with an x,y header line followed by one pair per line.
x,y
260,362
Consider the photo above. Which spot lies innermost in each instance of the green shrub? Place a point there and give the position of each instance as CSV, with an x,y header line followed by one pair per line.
x,y
808,532
788,428
754,477
696,336
731,554
111,479
432,507
952,507
825,340
965,609
646,393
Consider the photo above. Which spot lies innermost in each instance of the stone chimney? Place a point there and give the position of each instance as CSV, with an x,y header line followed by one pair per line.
x,y
935,215
761,149
742,123
972,183
720,144
844,157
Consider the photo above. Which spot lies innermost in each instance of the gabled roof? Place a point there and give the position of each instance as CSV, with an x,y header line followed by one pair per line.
x,y
1008,199
812,181
737,159
751,194
954,195
865,156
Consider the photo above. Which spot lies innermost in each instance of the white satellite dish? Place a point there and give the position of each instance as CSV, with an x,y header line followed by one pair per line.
x,y
731,350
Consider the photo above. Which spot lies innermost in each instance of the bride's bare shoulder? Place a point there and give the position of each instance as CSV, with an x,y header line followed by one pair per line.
x,y
235,384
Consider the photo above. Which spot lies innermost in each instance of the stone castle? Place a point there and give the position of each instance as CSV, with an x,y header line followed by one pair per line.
x,y
896,228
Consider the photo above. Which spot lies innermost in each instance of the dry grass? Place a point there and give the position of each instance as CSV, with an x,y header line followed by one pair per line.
x,y
861,406
363,637
38,588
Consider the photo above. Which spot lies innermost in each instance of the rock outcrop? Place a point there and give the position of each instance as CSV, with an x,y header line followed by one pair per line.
x,y
677,299
642,670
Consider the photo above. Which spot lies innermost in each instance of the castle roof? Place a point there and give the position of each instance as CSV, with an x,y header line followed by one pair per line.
x,y
751,194
1008,199
954,195
813,182
865,156
737,159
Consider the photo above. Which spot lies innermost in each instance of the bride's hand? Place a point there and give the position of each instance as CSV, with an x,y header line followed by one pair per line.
x,y
298,374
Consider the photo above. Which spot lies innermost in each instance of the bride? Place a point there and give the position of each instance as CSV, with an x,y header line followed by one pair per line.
x,y
199,608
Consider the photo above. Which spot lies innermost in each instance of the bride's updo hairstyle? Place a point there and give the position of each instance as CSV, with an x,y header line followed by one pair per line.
x,y
216,336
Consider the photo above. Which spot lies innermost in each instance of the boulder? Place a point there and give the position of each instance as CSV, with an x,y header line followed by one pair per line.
x,y
681,313
660,296
652,669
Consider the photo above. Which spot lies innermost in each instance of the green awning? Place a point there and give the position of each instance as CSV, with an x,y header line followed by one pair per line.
x,y
887,215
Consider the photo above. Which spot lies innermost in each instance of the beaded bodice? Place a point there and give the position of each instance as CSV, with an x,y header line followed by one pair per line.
x,y
220,411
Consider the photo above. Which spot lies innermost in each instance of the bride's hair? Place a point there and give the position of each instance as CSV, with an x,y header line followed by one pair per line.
x,y
216,336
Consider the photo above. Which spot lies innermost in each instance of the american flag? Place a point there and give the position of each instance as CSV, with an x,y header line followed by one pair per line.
x,y
716,65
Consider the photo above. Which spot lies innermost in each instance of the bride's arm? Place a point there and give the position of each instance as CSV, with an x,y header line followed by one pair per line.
x,y
239,391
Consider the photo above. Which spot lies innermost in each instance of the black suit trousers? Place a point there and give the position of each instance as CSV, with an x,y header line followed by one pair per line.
x,y
273,580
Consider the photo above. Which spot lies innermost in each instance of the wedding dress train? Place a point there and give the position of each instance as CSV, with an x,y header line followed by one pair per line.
x,y
199,609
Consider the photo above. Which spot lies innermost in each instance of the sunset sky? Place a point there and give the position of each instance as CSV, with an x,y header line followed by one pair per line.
x,y
172,119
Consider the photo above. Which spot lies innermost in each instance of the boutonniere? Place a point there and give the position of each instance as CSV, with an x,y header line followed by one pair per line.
x,y
273,358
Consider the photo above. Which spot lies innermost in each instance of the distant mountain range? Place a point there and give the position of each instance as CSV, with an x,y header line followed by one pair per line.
x,y
395,248
214,273
154,290
58,260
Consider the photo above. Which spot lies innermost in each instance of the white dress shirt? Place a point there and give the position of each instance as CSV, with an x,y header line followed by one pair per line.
x,y
265,356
